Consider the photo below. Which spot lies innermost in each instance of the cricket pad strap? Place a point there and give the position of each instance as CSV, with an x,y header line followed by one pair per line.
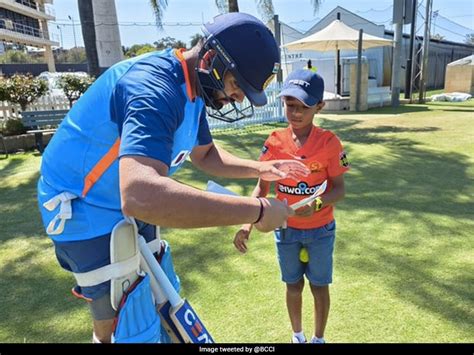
x,y
137,320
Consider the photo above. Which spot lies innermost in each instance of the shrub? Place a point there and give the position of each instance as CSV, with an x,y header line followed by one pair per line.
x,y
23,89
13,127
74,86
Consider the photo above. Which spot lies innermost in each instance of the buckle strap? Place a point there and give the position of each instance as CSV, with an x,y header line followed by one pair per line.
x,y
108,272
65,212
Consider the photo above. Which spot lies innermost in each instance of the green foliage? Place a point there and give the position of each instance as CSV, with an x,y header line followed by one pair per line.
x,y
470,39
73,55
138,49
13,127
195,39
166,42
74,86
16,57
169,42
22,89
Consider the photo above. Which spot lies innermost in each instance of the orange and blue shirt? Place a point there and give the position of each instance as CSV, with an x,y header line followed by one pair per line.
x,y
323,154
141,107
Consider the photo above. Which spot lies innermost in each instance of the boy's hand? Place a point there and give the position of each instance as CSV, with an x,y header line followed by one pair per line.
x,y
274,170
306,210
241,238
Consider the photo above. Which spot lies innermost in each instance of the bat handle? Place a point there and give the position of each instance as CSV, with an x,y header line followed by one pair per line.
x,y
285,224
159,274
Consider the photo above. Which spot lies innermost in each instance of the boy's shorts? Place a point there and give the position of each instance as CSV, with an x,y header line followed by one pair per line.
x,y
87,255
320,245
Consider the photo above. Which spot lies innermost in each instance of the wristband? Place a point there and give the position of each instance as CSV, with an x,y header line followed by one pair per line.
x,y
318,204
260,214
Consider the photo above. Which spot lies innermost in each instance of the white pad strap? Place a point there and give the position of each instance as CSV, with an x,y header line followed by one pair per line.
x,y
107,272
65,212
155,246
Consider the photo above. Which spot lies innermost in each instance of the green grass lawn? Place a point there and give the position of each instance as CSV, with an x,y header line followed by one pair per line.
x,y
404,262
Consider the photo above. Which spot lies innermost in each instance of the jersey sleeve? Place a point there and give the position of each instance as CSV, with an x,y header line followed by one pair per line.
x,y
337,158
267,150
148,113
204,134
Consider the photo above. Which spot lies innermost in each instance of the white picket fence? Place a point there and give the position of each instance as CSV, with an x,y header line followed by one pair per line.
x,y
272,112
44,103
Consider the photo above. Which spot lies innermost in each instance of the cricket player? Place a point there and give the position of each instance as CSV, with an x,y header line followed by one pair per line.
x,y
117,148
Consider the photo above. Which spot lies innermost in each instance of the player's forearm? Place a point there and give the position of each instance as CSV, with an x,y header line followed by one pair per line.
x,y
333,196
219,162
165,202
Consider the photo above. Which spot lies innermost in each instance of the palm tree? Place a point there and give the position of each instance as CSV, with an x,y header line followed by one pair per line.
x,y
264,7
159,6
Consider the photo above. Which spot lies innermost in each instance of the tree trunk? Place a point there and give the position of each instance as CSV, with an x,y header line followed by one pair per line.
x,y
233,6
88,34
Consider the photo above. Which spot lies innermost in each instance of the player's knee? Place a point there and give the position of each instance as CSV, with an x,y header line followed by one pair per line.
x,y
295,288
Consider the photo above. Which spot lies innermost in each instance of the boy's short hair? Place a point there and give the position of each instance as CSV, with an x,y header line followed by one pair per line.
x,y
304,85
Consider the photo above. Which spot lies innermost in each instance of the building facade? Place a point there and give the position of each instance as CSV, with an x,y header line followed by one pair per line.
x,y
26,22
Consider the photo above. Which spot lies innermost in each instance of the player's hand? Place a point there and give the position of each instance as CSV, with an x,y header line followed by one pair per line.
x,y
241,238
306,210
274,170
275,214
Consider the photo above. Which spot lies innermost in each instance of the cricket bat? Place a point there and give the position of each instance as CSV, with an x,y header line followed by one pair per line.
x,y
178,317
319,191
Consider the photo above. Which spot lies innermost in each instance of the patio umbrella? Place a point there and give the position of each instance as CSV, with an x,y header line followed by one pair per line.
x,y
336,36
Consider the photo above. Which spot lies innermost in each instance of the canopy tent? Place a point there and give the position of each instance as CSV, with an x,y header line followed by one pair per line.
x,y
336,36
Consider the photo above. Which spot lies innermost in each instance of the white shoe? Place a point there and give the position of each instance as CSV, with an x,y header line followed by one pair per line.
x,y
295,339
316,340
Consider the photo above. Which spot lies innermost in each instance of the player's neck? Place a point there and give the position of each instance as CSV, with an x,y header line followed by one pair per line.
x,y
301,134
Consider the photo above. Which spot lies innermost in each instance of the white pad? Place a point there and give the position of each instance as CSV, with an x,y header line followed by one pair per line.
x,y
123,246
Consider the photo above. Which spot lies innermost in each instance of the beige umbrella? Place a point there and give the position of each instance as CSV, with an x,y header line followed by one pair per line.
x,y
336,36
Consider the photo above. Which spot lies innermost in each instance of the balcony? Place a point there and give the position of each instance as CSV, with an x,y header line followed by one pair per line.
x,y
27,8
18,33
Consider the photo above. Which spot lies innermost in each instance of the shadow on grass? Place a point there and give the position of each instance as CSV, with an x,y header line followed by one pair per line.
x,y
409,183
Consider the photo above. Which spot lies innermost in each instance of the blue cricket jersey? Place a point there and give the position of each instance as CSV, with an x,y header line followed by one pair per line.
x,y
141,104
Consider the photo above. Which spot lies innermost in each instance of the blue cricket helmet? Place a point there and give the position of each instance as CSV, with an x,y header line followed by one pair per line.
x,y
243,45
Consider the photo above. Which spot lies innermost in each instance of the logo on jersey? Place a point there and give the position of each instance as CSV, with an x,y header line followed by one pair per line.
x,y
263,151
343,161
315,167
301,189
180,158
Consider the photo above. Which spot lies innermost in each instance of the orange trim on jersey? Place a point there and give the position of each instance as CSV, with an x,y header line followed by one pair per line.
x,y
180,56
99,169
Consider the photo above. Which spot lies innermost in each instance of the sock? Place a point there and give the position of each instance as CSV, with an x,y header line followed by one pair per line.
x,y
95,340
318,339
299,335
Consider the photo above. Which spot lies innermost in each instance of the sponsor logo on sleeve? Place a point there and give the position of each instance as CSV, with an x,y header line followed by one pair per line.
x,y
343,161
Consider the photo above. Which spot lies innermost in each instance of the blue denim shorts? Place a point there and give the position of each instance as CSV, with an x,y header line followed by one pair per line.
x,y
320,245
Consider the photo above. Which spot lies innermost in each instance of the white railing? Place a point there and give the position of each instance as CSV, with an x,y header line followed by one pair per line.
x,y
44,103
272,112
20,28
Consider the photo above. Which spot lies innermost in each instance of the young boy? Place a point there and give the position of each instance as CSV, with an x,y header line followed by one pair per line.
x,y
311,232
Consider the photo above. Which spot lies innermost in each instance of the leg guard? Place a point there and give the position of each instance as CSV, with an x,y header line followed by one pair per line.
x,y
137,320
123,246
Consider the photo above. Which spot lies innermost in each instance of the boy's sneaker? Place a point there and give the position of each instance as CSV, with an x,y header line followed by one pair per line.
x,y
316,340
298,340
